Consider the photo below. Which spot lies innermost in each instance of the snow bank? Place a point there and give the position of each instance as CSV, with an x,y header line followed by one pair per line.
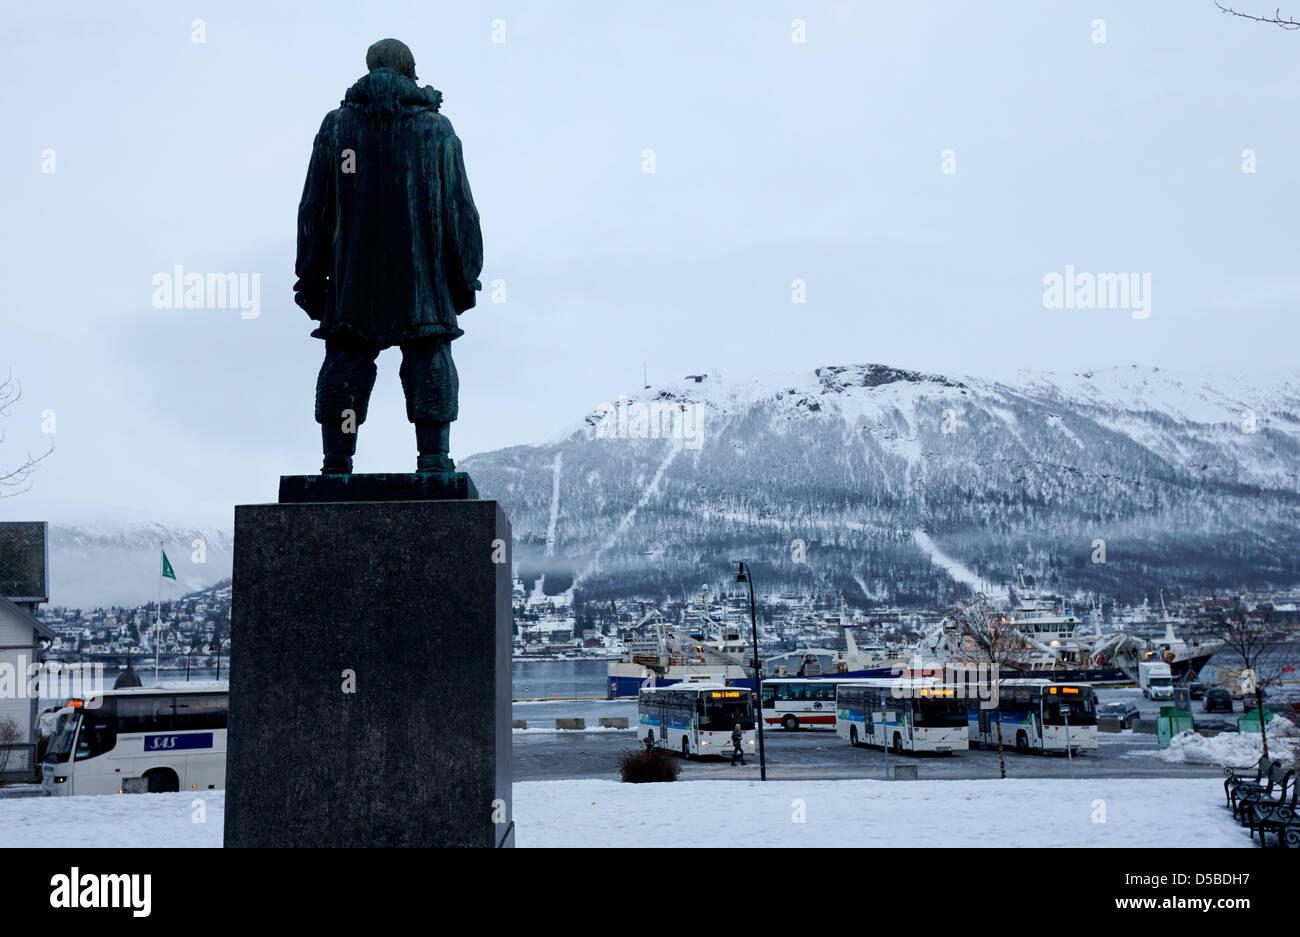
x,y
1168,812
1238,750
1122,812
125,820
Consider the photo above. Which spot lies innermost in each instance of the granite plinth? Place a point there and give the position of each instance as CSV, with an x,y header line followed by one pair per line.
x,y
370,675
380,486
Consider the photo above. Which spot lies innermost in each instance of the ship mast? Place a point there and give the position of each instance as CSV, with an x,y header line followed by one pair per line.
x,y
850,642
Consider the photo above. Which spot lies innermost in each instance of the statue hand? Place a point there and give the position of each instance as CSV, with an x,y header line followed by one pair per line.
x,y
306,301
310,295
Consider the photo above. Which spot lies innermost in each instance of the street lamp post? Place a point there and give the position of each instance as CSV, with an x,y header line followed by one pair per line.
x,y
1069,752
745,576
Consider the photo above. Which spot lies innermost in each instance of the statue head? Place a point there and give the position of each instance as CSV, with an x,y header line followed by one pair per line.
x,y
394,54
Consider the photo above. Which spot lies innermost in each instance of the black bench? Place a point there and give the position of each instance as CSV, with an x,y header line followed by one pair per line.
x,y
1277,815
1235,780
1275,791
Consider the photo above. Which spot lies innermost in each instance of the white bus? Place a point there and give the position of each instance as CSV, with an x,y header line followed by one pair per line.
x,y
696,720
921,719
154,739
1037,715
794,703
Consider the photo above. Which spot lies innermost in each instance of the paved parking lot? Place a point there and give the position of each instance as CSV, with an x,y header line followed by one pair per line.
x,y
820,754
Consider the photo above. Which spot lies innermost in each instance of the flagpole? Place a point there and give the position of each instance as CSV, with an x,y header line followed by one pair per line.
x,y
157,629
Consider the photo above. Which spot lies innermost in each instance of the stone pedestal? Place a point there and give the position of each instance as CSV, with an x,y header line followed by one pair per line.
x,y
370,675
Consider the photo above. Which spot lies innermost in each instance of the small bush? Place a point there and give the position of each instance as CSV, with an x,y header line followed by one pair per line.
x,y
10,734
639,766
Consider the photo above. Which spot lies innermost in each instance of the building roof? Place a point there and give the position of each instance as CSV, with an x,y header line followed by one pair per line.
x,y
37,625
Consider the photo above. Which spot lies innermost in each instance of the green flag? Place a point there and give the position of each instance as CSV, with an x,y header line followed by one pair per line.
x,y
167,571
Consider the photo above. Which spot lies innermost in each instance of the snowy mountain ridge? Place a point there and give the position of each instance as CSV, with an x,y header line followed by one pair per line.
x,y
1189,480
901,486
104,564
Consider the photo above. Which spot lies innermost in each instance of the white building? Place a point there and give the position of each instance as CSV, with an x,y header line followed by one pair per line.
x,y
24,560
20,637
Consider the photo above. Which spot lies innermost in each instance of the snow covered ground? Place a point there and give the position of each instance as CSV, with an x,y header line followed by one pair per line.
x,y
1136,812
1124,812
127,821
1232,748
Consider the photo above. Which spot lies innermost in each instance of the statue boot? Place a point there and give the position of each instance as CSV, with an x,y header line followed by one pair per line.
x,y
432,441
339,448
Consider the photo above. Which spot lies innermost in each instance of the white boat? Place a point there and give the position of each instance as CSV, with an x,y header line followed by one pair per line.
x,y
1179,654
662,653
851,661
1061,649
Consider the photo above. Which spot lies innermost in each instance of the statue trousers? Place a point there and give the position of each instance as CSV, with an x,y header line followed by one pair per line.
x,y
347,377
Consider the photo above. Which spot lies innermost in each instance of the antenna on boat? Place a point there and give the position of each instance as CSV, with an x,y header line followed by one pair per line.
x,y
1169,622
850,643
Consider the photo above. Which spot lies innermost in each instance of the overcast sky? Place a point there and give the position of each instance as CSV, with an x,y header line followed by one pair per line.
x,y
774,160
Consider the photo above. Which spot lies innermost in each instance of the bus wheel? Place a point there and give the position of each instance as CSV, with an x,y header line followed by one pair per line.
x,y
898,744
162,781
686,749
853,736
1022,743
789,723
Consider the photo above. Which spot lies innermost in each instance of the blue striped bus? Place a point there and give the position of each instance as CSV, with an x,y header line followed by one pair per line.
x,y
904,718
695,720
1037,716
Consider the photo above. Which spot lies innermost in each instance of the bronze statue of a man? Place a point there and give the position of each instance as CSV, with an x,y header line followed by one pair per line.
x,y
389,253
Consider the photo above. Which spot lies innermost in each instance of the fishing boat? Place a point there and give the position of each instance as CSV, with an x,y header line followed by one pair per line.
x,y
1060,650
660,653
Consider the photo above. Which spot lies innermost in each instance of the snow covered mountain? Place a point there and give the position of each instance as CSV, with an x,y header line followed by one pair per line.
x,y
908,487
902,487
105,565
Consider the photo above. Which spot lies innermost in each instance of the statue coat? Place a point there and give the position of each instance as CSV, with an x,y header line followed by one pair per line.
x,y
389,245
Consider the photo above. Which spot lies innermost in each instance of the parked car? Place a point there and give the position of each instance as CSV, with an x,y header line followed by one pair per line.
x,y
1197,688
1126,713
1217,701
1274,701
1250,701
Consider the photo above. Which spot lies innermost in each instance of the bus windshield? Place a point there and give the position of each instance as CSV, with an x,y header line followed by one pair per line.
x,y
60,747
721,715
938,714
1082,710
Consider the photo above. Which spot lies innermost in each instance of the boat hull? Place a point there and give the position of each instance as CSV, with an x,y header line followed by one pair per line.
x,y
628,684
